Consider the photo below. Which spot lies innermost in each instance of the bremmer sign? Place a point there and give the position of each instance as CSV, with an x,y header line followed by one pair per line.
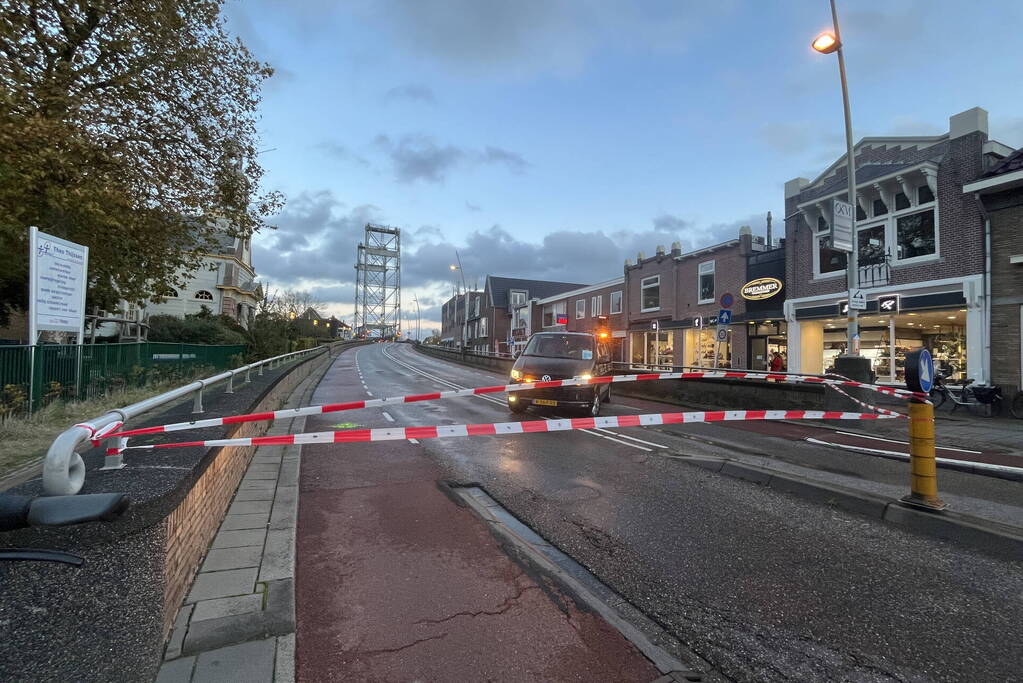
x,y
761,288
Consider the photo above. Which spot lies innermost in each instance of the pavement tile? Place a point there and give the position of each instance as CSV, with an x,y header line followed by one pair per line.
x,y
289,473
259,475
253,494
227,607
177,671
220,559
236,539
279,555
177,636
248,507
223,584
263,484
285,509
256,520
251,662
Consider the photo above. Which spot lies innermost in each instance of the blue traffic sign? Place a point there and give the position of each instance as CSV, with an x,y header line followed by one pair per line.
x,y
919,370
724,317
727,300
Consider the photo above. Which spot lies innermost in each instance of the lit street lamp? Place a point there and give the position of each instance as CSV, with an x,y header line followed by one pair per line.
x,y
465,298
851,364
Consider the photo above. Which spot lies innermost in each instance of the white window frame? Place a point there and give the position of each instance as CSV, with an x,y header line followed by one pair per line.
x,y
612,310
815,248
596,305
483,327
556,310
706,268
580,309
646,283
476,307
512,300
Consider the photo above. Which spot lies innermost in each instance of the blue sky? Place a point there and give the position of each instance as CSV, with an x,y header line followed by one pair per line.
x,y
554,138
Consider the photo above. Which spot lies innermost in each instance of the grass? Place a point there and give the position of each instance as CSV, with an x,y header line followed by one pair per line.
x,y
26,438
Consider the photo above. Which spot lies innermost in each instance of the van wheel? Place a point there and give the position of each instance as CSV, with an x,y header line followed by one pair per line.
x,y
595,405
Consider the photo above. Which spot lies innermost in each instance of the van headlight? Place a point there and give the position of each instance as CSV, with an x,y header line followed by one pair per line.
x,y
516,374
586,377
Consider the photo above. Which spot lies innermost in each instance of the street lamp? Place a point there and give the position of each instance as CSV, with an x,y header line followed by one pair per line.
x,y
419,331
852,364
465,297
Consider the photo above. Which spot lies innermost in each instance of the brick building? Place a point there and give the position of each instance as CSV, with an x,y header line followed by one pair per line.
x,y
920,242
500,296
681,294
453,323
1000,193
581,309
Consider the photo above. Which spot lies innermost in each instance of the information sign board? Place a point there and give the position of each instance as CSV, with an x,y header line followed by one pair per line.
x,y
57,282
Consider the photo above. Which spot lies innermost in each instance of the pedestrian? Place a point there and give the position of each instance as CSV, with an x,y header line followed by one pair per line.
x,y
777,362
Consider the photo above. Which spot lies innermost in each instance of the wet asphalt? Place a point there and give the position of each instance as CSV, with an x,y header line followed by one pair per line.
x,y
762,585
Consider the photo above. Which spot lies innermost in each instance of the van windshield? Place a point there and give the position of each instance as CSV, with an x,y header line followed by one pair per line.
x,y
572,346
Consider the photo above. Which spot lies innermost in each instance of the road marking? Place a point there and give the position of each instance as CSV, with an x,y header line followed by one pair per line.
x,y
415,441
905,443
905,456
388,417
503,404
369,393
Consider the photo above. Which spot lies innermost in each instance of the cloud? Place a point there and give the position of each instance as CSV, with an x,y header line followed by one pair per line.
x,y
412,92
341,152
473,207
417,156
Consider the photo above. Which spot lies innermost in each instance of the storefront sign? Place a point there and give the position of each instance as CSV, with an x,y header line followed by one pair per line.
x,y
888,304
841,226
761,288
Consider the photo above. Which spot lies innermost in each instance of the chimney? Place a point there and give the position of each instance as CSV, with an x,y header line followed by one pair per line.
x,y
676,249
639,258
770,243
628,262
660,250
745,240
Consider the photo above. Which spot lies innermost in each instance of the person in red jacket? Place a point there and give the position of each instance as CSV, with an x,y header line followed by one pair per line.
x,y
777,362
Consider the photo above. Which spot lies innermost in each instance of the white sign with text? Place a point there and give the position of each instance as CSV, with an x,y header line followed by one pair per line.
x,y
842,226
57,272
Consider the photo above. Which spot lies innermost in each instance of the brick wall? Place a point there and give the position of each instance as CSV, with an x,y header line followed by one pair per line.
x,y
190,527
960,224
1006,214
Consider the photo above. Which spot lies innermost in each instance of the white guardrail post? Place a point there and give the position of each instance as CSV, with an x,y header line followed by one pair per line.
x,y
63,467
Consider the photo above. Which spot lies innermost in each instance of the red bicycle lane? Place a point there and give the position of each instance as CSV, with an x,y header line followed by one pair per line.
x,y
394,581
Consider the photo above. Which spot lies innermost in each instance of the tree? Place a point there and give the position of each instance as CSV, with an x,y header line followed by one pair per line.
x,y
127,126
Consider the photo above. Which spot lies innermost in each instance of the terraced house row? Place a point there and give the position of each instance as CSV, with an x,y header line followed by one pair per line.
x,y
940,243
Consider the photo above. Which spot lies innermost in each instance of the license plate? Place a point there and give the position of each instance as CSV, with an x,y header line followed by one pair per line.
x,y
544,402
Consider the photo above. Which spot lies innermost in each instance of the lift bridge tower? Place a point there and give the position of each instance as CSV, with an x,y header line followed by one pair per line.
x,y
378,283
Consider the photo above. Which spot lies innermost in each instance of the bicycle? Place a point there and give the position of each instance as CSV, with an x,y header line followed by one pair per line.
x,y
1016,405
18,512
985,401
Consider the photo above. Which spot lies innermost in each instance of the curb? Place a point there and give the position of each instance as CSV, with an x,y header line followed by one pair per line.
x,y
992,538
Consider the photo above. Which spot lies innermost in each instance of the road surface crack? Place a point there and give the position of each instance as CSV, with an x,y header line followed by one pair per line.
x,y
506,605
392,650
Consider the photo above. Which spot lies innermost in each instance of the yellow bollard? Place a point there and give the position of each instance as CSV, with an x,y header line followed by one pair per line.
x,y
923,466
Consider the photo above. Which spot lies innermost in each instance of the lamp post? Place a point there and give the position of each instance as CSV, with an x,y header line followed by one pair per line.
x,y
851,364
419,332
465,299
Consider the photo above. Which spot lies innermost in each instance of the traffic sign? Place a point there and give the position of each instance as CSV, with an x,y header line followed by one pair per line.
x,y
727,300
724,317
841,226
722,333
857,300
655,325
919,370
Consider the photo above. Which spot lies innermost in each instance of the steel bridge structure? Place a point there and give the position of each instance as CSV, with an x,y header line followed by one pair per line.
x,y
378,283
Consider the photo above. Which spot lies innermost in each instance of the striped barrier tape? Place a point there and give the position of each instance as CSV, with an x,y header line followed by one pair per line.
x,y
523,386
866,405
527,427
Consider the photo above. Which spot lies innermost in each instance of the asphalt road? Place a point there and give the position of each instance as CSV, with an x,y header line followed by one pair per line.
x,y
763,585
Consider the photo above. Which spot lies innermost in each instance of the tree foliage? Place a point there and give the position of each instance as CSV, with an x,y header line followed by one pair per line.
x,y
127,126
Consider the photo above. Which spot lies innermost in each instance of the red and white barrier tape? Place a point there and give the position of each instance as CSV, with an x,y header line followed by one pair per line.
x,y
524,386
866,405
527,427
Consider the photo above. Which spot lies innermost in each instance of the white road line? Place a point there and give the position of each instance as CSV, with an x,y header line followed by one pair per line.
x,y
387,416
905,456
904,443
502,403
415,441
626,436
369,393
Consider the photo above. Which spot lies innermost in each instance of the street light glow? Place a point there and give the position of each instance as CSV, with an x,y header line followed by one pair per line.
x,y
453,267
826,43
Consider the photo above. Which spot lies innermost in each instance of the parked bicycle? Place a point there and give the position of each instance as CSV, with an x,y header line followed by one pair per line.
x,y
18,512
982,400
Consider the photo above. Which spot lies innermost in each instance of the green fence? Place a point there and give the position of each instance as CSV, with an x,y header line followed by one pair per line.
x,y
67,371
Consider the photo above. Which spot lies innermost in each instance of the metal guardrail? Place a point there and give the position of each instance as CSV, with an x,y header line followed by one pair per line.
x,y
469,352
64,469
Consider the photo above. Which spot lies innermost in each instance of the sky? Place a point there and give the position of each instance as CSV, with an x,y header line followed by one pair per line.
x,y
553,139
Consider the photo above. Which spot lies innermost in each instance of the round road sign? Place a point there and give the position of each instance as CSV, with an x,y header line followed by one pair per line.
x,y
919,370
727,300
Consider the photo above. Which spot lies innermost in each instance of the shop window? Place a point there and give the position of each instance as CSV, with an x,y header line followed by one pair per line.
x,y
650,289
580,309
596,306
551,313
829,260
706,282
203,295
924,194
915,235
901,201
871,245
616,303
880,208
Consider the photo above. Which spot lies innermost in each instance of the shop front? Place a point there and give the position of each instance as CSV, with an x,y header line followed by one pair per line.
x,y
950,324
764,299
652,347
